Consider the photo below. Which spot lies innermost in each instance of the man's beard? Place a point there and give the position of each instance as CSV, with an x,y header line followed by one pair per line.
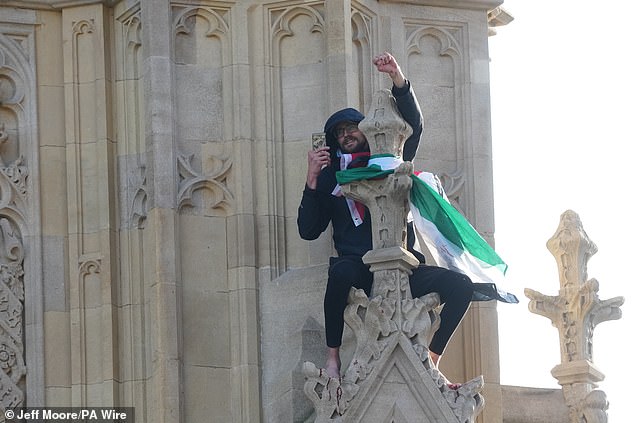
x,y
358,145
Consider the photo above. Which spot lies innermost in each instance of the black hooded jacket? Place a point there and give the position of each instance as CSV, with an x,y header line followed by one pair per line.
x,y
319,207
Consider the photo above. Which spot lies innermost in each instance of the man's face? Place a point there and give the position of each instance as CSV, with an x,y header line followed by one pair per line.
x,y
350,138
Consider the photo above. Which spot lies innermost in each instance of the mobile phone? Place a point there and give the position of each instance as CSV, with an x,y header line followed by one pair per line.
x,y
318,140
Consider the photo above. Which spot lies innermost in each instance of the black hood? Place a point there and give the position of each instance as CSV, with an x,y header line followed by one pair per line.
x,y
345,115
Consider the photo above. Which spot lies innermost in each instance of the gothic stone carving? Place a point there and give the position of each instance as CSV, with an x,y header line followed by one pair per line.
x,y
214,181
392,329
11,317
16,49
575,312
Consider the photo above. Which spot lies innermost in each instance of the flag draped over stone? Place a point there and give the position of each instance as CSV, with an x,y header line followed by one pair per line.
x,y
450,238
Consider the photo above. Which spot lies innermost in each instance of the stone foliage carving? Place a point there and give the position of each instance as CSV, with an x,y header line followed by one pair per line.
x,y
13,184
575,312
12,114
16,50
384,325
12,203
11,317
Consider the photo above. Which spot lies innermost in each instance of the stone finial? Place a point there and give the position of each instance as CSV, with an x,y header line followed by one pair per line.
x,y
384,127
387,199
572,249
577,309
575,312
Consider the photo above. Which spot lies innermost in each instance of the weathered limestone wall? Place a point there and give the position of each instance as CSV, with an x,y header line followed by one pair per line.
x,y
153,158
533,405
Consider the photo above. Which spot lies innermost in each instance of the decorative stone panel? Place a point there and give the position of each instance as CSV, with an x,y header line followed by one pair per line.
x,y
438,54
21,289
90,188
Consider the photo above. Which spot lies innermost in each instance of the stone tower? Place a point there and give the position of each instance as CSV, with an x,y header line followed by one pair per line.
x,y
153,157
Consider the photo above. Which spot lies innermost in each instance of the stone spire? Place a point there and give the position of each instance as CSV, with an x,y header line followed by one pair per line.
x,y
390,377
575,312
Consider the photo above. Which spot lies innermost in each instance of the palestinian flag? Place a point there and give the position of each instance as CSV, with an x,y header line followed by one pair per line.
x,y
450,238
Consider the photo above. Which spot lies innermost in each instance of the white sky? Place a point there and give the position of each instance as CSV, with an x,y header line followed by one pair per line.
x,y
561,92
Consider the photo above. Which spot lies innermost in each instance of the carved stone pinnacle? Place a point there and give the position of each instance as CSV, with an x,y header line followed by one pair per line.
x,y
575,312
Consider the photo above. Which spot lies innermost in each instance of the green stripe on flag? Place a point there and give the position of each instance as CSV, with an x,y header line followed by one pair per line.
x,y
360,173
451,224
432,207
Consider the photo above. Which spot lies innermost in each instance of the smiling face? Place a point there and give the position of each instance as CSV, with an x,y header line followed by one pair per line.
x,y
350,138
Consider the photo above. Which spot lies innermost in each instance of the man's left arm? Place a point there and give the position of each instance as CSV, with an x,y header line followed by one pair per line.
x,y
409,108
405,101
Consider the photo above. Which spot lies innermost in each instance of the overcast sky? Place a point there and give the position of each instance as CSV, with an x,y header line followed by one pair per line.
x,y
562,91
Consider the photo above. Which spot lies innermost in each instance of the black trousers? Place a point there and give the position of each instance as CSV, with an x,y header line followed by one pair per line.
x,y
455,290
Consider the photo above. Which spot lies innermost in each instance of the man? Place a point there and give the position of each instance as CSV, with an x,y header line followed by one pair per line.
x,y
322,204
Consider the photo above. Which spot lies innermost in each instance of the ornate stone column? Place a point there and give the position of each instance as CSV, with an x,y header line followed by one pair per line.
x,y
390,376
575,312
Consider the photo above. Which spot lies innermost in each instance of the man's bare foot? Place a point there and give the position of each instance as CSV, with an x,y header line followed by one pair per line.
x,y
333,363
332,370
435,359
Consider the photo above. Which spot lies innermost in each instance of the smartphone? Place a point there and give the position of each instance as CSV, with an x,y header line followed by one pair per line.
x,y
319,140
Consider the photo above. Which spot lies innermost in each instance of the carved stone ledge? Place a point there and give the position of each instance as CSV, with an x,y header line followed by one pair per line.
x,y
56,4
391,258
580,371
457,4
